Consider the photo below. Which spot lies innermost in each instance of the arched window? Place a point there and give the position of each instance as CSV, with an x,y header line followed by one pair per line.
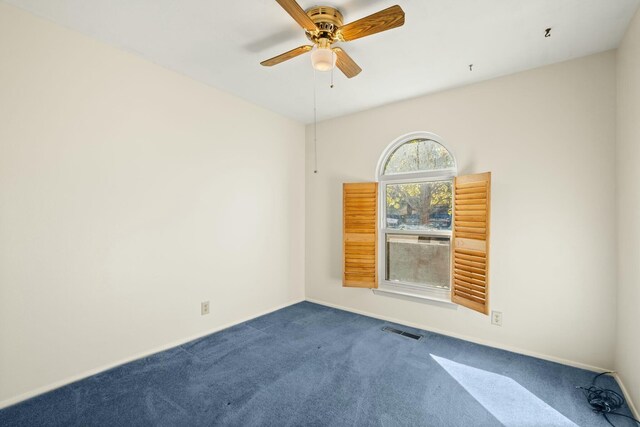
x,y
415,175
416,155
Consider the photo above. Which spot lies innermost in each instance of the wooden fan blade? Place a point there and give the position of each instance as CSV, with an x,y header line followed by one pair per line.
x,y
347,65
287,55
384,20
298,14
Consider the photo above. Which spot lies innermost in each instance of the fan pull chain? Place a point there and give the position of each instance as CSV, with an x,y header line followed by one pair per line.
x,y
334,54
315,126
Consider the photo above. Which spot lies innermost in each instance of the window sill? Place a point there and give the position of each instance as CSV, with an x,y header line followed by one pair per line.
x,y
414,297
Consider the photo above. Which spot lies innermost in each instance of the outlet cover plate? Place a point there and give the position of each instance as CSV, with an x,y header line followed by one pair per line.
x,y
204,308
496,318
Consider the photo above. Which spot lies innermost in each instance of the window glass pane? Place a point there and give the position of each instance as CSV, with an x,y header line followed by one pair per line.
x,y
418,155
419,205
418,259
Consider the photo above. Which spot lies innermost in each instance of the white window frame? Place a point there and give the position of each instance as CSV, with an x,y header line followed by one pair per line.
x,y
404,288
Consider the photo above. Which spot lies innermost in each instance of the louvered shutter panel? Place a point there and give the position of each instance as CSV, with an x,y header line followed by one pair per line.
x,y
470,266
360,225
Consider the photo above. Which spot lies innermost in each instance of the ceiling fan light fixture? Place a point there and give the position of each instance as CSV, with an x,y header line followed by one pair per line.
x,y
323,26
323,59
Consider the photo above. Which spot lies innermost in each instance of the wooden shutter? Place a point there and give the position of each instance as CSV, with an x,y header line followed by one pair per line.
x,y
359,227
470,249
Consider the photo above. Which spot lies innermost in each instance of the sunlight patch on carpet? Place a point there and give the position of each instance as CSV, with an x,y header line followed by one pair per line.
x,y
508,401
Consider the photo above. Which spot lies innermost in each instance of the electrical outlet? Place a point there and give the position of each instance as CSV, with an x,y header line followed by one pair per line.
x,y
204,307
496,318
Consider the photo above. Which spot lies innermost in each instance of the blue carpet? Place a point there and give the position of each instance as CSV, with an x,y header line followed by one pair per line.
x,y
310,365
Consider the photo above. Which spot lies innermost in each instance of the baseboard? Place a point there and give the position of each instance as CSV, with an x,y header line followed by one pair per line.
x,y
49,387
627,397
467,338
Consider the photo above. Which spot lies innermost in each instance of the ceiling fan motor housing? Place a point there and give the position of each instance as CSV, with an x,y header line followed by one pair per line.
x,y
328,20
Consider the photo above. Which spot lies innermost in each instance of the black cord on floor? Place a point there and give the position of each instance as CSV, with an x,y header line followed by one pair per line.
x,y
605,401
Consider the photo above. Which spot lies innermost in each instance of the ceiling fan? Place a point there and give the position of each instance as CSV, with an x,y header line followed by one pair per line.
x,y
323,26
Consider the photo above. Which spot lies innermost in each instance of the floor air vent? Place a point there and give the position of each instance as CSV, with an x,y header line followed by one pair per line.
x,y
403,333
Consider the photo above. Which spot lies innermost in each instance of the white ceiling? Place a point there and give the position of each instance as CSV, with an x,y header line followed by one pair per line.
x,y
222,42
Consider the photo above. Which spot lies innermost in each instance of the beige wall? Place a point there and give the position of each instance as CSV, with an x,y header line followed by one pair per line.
x,y
548,136
628,192
128,195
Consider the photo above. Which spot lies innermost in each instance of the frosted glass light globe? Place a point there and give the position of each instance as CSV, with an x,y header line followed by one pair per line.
x,y
323,59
